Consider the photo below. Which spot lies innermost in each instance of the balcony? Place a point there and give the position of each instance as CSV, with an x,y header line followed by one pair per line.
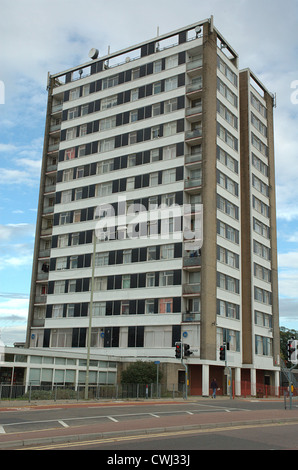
x,y
194,136
192,261
192,113
193,184
194,90
191,289
191,317
193,158
193,66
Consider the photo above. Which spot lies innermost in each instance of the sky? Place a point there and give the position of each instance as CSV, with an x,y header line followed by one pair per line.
x,y
41,36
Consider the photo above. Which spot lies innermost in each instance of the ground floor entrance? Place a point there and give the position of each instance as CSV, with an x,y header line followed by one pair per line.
x,y
236,381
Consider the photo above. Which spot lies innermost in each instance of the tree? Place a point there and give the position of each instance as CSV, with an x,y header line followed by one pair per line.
x,y
140,373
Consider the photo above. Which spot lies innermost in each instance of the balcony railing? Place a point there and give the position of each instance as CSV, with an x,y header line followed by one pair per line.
x,y
193,158
192,183
194,64
189,261
189,289
193,134
191,316
194,110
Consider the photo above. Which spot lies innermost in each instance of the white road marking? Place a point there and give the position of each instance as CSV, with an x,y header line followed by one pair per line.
x,y
113,419
63,424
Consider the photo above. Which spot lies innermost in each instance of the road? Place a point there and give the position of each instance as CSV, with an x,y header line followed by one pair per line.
x,y
195,424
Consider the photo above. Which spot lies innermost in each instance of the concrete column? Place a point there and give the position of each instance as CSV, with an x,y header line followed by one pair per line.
x,y
276,382
237,381
253,380
205,380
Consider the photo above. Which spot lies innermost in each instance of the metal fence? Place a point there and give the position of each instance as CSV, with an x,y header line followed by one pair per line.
x,y
66,392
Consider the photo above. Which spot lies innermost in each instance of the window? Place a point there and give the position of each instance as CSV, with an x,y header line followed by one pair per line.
x,y
105,166
170,105
75,237
99,309
108,123
73,113
165,305
149,306
168,199
157,66
126,281
107,144
69,154
154,155
62,241
261,250
134,95
80,172
135,73
132,160
86,89
104,189
78,194
171,83
130,183
169,152
83,130
61,263
124,307
228,309
126,256
153,179
156,88
155,132
260,186
64,218
57,311
109,82
156,109
100,283
70,310
109,102
150,279
166,278
81,151
74,94
135,336
71,133
169,176
169,128
151,253
59,287
66,196
61,338
134,115
74,262
77,216
67,175
132,138
167,251
101,259
262,295
172,61
72,285
263,345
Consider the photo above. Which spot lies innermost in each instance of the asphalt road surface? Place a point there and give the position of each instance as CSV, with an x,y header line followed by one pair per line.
x,y
192,424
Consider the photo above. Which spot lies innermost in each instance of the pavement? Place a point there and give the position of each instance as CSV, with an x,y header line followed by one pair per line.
x,y
145,426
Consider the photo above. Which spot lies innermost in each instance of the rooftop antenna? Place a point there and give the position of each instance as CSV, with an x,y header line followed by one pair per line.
x,y
93,53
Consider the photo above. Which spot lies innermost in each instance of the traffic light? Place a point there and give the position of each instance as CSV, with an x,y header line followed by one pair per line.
x,y
291,347
178,350
222,353
186,351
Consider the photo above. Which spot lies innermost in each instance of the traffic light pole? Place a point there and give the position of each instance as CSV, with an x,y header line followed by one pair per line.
x,y
229,375
186,369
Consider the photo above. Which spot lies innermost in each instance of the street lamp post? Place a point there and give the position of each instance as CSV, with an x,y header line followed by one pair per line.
x,y
90,318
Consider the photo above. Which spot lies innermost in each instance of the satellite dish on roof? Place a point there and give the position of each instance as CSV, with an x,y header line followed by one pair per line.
x,y
93,53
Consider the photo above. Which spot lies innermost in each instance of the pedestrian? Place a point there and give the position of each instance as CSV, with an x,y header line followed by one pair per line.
x,y
214,386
